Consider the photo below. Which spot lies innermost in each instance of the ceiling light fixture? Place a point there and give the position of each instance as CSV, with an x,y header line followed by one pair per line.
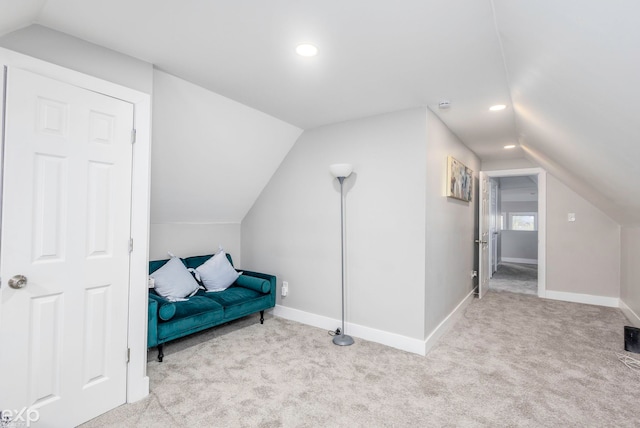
x,y
306,49
510,146
498,107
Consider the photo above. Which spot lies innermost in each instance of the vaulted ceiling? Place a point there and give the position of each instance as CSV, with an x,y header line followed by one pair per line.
x,y
567,70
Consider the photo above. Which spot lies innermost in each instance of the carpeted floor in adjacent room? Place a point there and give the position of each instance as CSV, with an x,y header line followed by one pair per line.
x,y
515,277
511,360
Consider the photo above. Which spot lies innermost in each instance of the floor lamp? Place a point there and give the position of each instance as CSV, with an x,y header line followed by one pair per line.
x,y
342,171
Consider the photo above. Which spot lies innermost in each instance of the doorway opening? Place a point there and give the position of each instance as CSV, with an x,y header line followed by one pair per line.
x,y
516,247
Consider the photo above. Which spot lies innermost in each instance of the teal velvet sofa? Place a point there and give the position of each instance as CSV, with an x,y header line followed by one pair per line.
x,y
252,292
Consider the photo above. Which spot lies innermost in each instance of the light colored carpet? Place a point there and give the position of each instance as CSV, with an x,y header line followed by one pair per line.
x,y
511,360
516,278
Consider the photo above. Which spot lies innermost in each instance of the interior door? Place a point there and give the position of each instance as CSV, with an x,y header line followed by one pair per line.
x,y
493,226
65,228
483,239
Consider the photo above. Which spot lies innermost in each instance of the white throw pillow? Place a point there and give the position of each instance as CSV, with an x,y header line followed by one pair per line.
x,y
173,281
217,274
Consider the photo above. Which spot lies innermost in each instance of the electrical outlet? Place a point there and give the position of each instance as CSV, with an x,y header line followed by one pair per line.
x,y
285,288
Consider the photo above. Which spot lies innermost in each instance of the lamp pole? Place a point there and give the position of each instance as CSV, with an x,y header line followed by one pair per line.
x,y
342,171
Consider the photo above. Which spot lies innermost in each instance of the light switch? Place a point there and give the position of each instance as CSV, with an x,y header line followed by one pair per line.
x,y
571,217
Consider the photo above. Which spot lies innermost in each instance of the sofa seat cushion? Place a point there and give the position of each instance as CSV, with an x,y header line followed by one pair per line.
x,y
239,301
195,305
232,295
191,316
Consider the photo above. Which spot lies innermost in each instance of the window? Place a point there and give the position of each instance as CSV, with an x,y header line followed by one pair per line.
x,y
523,221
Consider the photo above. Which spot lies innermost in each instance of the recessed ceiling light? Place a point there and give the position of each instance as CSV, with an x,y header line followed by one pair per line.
x,y
510,146
498,107
306,49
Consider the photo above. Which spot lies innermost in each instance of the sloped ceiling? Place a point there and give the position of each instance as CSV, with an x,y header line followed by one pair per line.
x,y
574,77
568,71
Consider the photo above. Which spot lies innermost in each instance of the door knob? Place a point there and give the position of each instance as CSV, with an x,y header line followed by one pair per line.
x,y
18,281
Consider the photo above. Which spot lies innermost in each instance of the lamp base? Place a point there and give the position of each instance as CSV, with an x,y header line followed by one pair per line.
x,y
342,340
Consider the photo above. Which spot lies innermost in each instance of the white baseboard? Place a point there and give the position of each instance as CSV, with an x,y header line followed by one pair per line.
x,y
307,318
416,346
398,341
612,302
518,260
630,314
446,324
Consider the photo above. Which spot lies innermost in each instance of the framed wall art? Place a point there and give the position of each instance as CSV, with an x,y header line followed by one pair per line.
x,y
459,180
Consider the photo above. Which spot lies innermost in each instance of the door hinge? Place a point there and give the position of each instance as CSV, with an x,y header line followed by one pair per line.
x,y
130,245
128,354
133,136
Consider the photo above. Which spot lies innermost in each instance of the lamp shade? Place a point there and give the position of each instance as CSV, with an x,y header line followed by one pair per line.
x,y
341,169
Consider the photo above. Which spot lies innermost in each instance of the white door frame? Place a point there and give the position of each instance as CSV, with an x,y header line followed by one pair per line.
x,y
137,380
542,217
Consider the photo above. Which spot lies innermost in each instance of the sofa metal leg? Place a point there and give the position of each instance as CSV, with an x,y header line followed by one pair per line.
x,y
261,317
160,352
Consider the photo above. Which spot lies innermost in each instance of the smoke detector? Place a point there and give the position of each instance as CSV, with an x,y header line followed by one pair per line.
x,y
444,104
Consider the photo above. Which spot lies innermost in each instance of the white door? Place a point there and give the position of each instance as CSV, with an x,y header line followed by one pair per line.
x,y
493,226
65,227
483,239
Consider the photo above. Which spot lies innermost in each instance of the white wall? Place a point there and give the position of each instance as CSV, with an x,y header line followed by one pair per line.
x,y
582,256
498,164
192,239
630,274
450,227
519,246
70,52
293,229
211,159
15,15
518,207
410,248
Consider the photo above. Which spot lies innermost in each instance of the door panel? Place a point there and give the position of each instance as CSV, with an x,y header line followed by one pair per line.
x,y
49,206
66,227
493,226
483,238
45,337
